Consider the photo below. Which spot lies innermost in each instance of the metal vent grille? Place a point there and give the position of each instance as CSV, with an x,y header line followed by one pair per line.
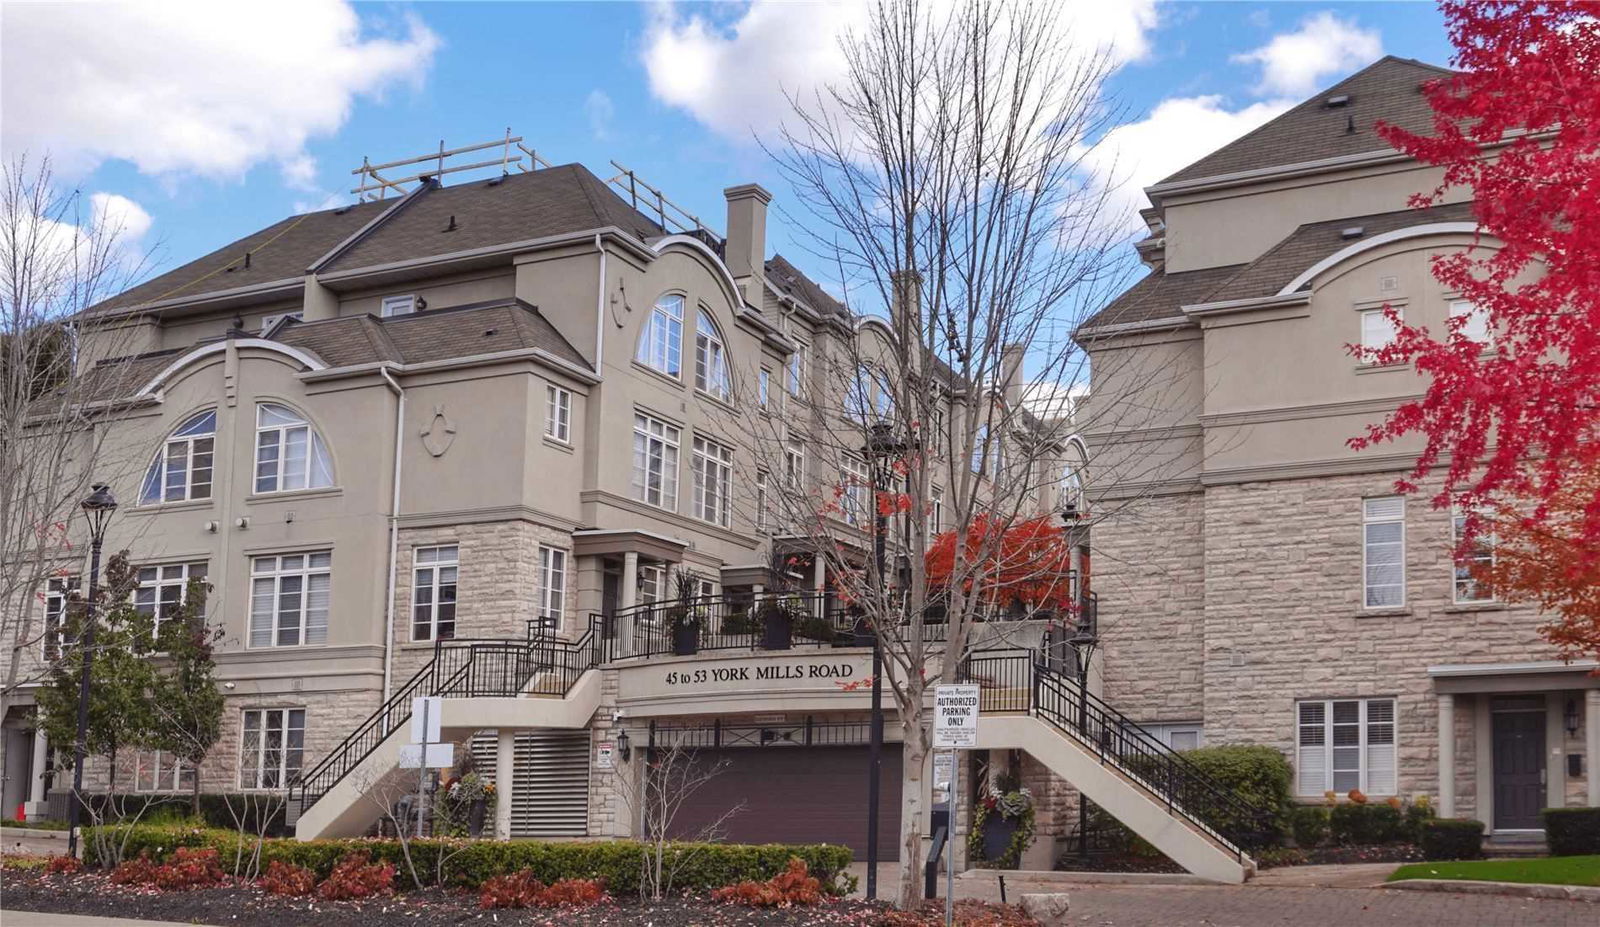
x,y
551,798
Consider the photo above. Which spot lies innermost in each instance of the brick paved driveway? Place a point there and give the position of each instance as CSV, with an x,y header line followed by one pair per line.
x,y
1264,906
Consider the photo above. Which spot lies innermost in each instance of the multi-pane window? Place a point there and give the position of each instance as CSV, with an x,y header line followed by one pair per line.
x,y
160,771
1376,329
764,388
558,414
1478,555
935,510
552,583
794,462
57,591
289,452
713,481
1475,321
652,584
661,342
794,369
855,491
162,589
271,747
433,593
761,500
655,461
710,359
182,468
980,450
289,599
1383,552
1346,744
869,396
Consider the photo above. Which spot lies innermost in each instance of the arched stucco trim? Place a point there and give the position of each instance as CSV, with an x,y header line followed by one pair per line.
x,y
703,251
218,347
1376,241
869,321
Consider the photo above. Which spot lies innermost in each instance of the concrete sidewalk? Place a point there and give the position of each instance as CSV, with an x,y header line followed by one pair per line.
x,y
38,919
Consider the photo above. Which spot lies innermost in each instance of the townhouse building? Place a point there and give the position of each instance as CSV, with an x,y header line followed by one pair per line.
x,y
436,427
1264,583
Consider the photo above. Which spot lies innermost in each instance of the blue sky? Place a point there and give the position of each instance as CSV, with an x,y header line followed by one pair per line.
x,y
252,113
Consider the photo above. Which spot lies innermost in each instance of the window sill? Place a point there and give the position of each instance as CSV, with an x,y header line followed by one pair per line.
x,y
1380,368
290,494
1384,613
661,375
725,404
559,445
156,508
1469,607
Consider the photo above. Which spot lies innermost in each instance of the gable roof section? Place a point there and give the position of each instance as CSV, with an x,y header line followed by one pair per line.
x,y
1389,90
1159,294
434,335
789,280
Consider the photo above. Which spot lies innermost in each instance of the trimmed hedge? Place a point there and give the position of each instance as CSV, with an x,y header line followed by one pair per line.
x,y
1309,825
1572,831
470,862
1260,777
172,809
1452,838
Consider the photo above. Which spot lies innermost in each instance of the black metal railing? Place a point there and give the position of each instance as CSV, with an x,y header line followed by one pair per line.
x,y
460,668
771,622
1015,681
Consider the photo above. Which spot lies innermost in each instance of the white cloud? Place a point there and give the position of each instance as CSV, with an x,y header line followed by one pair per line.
x,y
119,216
1177,133
1294,63
206,88
733,74
600,110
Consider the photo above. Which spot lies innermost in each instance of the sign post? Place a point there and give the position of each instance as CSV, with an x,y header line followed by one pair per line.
x,y
955,727
425,752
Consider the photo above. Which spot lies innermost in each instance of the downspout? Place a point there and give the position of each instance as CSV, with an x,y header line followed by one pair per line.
x,y
394,532
600,306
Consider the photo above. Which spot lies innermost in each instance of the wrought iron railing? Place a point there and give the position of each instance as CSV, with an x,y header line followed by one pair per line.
x,y
772,622
1017,681
460,668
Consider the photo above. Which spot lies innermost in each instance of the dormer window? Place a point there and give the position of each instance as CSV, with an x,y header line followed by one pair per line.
x,y
401,305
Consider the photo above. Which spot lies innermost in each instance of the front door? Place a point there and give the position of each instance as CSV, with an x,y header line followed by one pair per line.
x,y
610,596
1519,772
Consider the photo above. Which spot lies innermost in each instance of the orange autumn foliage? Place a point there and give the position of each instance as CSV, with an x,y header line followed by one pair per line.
x,y
1027,561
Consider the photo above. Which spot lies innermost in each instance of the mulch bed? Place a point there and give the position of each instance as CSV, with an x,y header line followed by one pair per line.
x,y
1384,853
240,903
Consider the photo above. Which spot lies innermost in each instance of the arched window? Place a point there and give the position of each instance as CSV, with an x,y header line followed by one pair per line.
x,y
182,468
710,359
289,452
1072,478
661,342
869,397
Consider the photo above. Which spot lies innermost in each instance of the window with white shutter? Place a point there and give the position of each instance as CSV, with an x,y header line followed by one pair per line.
x,y
1383,552
1345,744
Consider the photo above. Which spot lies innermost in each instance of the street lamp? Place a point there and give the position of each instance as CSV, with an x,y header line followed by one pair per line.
x,y
97,509
1083,642
883,445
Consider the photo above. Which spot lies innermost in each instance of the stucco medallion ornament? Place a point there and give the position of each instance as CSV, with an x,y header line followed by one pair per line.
x,y
440,433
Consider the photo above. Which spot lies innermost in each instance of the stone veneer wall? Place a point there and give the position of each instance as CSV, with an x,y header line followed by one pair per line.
x,y
1283,620
1148,569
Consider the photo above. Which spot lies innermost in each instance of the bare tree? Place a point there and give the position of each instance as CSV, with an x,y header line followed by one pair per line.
x,y
673,773
60,253
947,180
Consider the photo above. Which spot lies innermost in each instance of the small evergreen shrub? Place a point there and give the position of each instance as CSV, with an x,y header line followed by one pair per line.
x,y
1572,831
1309,825
1452,838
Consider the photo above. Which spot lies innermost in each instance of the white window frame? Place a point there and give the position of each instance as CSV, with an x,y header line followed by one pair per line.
x,y
1369,778
794,462
267,321
1370,320
1476,327
558,413
1176,734
197,452
763,495
315,470
935,510
435,569
1368,522
166,589
764,388
253,759
855,491
661,339
399,304
57,592
711,374
657,446
553,576
652,582
308,567
712,467
160,771
794,369
1460,573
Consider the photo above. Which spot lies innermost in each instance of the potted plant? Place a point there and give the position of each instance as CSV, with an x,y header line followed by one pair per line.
x,y
683,618
1002,825
777,625
739,621
476,793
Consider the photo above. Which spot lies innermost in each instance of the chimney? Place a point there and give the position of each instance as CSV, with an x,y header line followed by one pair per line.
x,y
1011,374
745,251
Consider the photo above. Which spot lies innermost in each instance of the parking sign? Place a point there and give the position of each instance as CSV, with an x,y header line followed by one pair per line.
x,y
955,716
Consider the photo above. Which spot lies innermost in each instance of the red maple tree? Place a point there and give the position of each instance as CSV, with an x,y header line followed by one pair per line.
x,y
1518,125
1028,561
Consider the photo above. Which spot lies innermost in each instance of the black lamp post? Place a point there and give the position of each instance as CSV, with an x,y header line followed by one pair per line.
x,y
97,509
1083,642
882,446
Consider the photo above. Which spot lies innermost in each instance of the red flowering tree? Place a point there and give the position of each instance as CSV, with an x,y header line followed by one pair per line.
x,y
1519,126
1027,562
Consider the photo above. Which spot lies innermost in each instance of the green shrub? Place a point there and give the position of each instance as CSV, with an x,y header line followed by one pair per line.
x,y
1260,778
1309,824
1417,815
469,863
174,809
1452,838
1572,831
1357,824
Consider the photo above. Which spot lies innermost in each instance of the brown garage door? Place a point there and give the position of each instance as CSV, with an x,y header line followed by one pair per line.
x,y
796,795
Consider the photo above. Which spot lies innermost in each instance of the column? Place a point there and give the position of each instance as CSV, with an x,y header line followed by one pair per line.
x,y
1447,755
627,598
1591,745
36,799
505,762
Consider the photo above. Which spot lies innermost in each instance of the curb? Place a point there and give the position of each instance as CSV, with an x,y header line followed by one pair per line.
x,y
1512,889
1059,877
33,832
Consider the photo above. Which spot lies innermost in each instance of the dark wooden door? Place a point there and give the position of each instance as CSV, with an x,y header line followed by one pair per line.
x,y
1518,769
796,795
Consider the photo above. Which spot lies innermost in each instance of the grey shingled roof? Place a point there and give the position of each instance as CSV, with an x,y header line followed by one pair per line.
x,y
1389,90
1159,294
434,335
789,280
518,207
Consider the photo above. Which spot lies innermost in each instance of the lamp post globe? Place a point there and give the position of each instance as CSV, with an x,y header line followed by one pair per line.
x,y
97,509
